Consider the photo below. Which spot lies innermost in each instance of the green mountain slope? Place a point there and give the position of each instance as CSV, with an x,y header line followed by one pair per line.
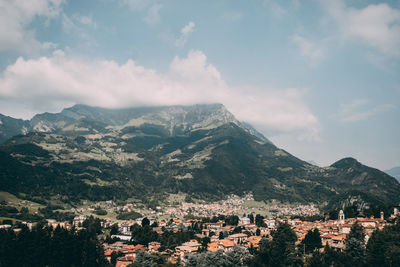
x,y
10,127
202,150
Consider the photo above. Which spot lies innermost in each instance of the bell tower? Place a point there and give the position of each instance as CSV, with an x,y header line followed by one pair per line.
x,y
341,217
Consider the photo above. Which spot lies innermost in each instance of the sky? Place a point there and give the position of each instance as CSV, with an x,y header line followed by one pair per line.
x,y
320,79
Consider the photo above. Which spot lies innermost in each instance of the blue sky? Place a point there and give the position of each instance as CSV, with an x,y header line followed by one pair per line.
x,y
321,79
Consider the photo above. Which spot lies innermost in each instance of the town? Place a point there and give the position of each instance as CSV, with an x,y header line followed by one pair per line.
x,y
196,228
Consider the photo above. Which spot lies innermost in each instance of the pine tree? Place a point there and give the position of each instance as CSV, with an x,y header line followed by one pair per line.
x,y
312,241
355,247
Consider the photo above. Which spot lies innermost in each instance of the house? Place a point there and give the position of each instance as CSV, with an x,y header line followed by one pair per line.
x,y
187,248
238,238
226,244
213,246
205,232
252,241
345,228
214,226
78,220
270,223
334,240
367,222
122,237
108,253
54,224
124,261
244,220
154,246
124,228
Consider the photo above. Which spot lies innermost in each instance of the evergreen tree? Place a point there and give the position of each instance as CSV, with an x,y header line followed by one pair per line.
x,y
43,246
329,257
280,251
221,235
355,247
144,259
251,217
259,220
145,222
114,229
236,257
312,241
258,232
383,247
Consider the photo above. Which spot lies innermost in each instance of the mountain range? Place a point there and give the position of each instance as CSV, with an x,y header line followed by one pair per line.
x,y
95,153
395,172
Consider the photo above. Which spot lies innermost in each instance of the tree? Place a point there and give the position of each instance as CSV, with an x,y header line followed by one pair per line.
x,y
280,251
221,235
232,220
355,247
329,257
114,257
44,246
312,241
251,217
114,229
24,210
144,259
204,242
383,247
236,257
145,222
92,225
258,232
259,220
143,235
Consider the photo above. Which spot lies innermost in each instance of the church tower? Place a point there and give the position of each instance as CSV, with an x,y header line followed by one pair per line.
x,y
341,217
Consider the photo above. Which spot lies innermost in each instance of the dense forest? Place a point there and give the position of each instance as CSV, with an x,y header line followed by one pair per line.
x,y
44,246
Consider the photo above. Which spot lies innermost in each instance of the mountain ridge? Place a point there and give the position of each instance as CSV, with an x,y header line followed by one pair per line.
x,y
95,153
48,122
395,172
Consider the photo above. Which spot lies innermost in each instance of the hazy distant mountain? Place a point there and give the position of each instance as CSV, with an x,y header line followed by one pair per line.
x,y
395,172
95,153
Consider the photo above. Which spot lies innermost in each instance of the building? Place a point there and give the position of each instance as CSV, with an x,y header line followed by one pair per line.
x,y
78,220
341,217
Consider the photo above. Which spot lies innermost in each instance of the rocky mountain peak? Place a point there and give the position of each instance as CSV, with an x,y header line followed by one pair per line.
x,y
174,119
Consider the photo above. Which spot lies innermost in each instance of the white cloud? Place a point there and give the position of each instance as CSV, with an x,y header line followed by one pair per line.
x,y
309,49
153,14
15,18
51,83
361,109
377,26
185,33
